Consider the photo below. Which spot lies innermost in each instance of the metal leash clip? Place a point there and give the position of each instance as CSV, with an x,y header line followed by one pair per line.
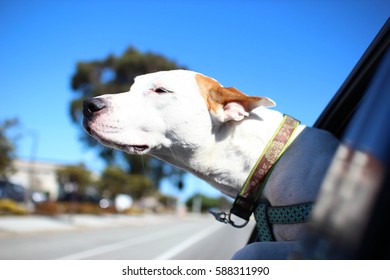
x,y
219,216
226,218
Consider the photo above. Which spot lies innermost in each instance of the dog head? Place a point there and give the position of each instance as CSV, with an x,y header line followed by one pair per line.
x,y
166,111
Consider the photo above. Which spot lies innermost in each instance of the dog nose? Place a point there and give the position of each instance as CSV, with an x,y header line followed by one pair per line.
x,y
92,105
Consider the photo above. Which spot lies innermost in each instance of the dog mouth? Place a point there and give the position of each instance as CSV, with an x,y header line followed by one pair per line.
x,y
136,149
130,149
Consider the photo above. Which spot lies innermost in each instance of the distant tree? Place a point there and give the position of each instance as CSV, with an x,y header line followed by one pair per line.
x,y
113,75
169,202
116,181
7,148
208,202
74,179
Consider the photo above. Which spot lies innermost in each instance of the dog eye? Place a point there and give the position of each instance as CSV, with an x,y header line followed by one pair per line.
x,y
162,90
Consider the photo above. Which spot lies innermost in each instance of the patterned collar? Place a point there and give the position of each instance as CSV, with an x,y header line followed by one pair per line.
x,y
247,200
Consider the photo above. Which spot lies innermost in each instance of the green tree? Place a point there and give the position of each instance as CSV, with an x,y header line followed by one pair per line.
x,y
7,148
75,178
116,181
113,75
208,202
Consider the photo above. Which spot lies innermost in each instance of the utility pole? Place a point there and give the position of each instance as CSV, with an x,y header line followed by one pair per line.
x,y
33,154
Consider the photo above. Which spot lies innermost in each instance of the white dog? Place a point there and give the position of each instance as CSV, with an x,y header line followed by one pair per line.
x,y
217,133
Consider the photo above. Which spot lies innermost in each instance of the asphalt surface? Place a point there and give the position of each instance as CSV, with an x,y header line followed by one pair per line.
x,y
119,237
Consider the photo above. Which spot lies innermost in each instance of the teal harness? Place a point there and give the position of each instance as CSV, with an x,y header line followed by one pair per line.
x,y
246,201
266,216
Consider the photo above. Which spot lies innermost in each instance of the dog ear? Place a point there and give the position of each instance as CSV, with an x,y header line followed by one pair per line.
x,y
235,104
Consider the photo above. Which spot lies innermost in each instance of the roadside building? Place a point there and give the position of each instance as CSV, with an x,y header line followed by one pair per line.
x,y
37,176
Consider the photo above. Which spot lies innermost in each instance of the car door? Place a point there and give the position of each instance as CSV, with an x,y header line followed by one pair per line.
x,y
350,219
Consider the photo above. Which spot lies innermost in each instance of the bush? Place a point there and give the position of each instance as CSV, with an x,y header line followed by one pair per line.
x,y
47,208
134,211
10,207
54,208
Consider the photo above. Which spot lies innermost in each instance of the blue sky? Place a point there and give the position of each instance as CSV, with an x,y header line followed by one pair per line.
x,y
296,52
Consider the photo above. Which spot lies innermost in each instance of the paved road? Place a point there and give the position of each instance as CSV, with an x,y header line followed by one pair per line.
x,y
167,237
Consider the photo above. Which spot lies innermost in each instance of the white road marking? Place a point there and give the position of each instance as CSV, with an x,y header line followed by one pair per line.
x,y
188,243
118,245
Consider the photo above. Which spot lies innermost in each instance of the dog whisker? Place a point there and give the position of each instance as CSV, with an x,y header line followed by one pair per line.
x,y
173,155
143,165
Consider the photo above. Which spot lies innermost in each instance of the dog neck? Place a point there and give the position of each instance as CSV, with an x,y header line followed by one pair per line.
x,y
226,159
